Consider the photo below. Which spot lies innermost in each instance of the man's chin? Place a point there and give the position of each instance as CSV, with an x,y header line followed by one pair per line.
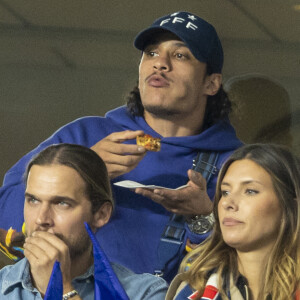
x,y
80,250
162,112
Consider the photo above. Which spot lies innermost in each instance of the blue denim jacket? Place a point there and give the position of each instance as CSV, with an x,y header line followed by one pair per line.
x,y
15,284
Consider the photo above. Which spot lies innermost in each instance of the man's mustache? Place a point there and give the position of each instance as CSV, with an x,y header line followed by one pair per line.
x,y
161,74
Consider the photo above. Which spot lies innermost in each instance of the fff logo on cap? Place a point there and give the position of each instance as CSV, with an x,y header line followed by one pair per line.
x,y
188,24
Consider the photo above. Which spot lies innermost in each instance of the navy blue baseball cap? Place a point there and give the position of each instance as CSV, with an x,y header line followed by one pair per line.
x,y
198,35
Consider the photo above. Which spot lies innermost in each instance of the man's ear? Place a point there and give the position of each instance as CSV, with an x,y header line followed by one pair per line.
x,y
212,84
102,215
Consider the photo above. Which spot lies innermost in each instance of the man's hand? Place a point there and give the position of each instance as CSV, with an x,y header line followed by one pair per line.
x,y
120,158
42,249
191,200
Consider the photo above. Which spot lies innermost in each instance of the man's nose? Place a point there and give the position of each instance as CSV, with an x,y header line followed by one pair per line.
x,y
44,217
162,63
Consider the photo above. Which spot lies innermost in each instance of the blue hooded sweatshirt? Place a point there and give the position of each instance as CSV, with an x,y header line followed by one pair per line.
x,y
132,236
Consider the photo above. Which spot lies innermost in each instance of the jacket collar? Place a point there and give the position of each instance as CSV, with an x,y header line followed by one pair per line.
x,y
18,274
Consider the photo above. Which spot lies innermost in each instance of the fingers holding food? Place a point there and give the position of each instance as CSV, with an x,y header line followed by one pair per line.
x,y
149,142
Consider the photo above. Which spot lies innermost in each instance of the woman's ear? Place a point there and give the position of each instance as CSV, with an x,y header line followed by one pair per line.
x,y
102,215
213,83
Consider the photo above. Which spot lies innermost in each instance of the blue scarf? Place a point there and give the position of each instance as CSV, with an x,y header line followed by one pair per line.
x,y
107,285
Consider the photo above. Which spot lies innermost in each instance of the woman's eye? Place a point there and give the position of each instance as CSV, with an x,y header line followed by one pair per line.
x,y
251,192
224,193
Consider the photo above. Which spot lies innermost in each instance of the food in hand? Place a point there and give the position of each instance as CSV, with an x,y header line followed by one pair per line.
x,y
148,142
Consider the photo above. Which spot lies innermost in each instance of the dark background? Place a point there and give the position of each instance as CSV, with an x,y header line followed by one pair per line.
x,y
61,60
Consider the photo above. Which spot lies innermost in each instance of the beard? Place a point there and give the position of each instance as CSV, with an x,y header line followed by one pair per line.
x,y
162,112
77,245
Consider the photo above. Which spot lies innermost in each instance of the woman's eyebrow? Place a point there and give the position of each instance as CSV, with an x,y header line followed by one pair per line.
x,y
245,182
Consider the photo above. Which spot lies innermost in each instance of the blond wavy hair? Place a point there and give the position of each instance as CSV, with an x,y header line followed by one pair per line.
x,y
281,276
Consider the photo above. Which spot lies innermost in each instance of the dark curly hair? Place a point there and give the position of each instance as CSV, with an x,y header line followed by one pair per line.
x,y
217,108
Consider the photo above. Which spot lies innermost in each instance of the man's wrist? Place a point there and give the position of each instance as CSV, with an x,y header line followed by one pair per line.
x,y
200,224
67,287
70,295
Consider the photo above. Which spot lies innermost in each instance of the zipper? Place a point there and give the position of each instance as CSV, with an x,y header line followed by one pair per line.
x,y
247,292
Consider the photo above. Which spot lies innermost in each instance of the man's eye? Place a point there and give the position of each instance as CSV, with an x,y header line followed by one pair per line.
x,y
63,204
32,200
180,55
152,53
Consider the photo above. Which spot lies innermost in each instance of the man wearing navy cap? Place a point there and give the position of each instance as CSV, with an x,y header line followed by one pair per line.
x,y
180,100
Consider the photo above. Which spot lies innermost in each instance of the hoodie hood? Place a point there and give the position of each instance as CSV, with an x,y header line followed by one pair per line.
x,y
219,137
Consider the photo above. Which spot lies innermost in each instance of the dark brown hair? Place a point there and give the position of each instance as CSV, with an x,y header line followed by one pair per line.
x,y
86,162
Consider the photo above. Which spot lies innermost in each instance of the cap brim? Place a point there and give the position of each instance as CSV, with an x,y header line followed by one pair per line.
x,y
142,39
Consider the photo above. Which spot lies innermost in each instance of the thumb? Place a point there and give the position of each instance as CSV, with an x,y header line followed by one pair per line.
x,y
197,179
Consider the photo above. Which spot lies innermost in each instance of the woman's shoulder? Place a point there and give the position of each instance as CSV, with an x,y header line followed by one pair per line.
x,y
179,288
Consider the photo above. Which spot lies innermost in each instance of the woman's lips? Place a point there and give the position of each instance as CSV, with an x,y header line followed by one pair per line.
x,y
157,81
231,222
